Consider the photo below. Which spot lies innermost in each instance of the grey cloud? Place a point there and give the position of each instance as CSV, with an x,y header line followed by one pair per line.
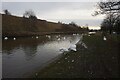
x,y
43,7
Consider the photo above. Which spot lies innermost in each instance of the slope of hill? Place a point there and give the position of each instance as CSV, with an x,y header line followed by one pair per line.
x,y
19,26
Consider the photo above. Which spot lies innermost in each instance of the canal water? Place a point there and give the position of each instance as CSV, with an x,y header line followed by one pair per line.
x,y
21,56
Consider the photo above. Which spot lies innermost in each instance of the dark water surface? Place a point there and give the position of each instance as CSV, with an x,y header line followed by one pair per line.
x,y
24,55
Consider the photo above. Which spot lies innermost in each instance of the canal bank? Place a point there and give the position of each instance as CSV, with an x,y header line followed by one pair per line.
x,y
22,56
99,60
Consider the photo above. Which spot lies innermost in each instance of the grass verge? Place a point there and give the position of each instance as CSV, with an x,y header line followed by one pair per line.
x,y
99,60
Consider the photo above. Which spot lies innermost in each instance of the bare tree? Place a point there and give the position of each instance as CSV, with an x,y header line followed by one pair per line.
x,y
7,12
29,14
110,6
31,21
112,10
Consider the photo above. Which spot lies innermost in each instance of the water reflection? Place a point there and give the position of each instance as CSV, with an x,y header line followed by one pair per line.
x,y
24,55
30,51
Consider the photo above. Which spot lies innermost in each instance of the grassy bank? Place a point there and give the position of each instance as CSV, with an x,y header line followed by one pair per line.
x,y
99,60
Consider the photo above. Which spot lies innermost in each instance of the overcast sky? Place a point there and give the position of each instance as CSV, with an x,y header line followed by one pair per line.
x,y
78,12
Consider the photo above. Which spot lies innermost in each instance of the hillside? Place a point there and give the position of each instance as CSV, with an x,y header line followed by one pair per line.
x,y
19,26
